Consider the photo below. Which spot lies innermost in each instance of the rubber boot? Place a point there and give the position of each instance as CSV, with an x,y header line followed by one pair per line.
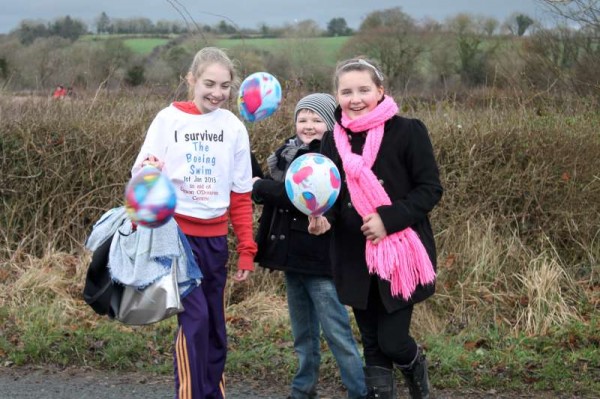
x,y
416,377
380,383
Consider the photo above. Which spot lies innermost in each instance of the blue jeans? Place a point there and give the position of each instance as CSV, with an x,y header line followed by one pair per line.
x,y
313,304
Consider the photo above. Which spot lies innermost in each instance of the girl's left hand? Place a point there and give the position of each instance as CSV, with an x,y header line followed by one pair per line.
x,y
241,275
373,228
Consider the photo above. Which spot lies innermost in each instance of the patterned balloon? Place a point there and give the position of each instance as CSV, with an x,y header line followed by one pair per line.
x,y
312,183
259,96
150,198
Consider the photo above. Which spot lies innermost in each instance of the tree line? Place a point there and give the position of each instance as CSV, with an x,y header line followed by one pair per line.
x,y
72,28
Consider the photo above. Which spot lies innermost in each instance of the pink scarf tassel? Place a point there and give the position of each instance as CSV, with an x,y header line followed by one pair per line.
x,y
401,259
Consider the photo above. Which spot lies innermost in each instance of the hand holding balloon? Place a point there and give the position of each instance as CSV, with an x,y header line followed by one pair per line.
x,y
151,160
150,198
318,225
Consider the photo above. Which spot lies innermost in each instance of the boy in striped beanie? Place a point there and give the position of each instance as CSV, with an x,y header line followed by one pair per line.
x,y
285,244
320,103
313,117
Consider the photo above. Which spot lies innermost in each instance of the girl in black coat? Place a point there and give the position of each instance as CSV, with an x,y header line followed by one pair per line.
x,y
384,251
284,243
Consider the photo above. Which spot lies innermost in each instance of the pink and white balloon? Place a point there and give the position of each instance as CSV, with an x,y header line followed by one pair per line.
x,y
312,183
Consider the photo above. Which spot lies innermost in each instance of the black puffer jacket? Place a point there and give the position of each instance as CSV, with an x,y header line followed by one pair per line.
x,y
283,239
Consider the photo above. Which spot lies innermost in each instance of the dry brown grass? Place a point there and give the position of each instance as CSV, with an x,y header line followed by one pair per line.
x,y
546,286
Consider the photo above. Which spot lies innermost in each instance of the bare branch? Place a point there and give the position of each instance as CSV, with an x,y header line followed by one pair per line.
x,y
584,12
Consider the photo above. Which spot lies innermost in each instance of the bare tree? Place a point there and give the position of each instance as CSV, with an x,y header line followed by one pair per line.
x,y
489,25
586,13
390,37
304,28
474,48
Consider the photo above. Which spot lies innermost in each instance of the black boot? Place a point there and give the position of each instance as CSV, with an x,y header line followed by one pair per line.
x,y
380,383
416,377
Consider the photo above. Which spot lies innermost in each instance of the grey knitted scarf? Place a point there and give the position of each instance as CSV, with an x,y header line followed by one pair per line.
x,y
280,160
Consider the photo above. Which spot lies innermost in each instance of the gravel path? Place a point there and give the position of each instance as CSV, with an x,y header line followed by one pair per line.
x,y
36,383
86,383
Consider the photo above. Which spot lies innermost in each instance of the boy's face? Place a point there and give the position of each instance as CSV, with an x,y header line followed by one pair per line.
x,y
309,126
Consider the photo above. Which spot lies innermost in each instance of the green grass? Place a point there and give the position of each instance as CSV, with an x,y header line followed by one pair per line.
x,y
497,359
139,44
43,338
144,45
482,358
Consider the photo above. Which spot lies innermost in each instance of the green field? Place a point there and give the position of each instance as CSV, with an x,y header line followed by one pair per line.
x,y
139,45
144,45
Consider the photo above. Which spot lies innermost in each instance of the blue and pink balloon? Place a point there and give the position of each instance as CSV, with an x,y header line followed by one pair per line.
x,y
150,198
259,96
312,183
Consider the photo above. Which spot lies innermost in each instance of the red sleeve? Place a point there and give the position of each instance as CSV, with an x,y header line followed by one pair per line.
x,y
240,211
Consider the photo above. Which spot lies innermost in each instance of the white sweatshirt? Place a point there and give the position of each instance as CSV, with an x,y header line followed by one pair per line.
x,y
205,157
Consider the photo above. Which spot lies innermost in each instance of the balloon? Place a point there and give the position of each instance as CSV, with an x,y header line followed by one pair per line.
x,y
259,96
150,198
312,183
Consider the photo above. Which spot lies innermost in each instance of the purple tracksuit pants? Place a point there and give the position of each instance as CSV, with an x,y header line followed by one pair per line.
x,y
201,340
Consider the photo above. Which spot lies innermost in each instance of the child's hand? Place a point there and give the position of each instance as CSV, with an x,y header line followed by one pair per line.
x,y
241,275
318,225
373,228
153,161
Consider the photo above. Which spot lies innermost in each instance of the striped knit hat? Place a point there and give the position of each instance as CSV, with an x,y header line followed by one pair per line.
x,y
321,103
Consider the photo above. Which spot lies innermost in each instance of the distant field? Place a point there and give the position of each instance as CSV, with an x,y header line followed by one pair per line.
x,y
145,45
140,45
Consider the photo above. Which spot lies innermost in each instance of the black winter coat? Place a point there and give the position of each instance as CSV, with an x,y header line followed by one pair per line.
x,y
406,167
283,239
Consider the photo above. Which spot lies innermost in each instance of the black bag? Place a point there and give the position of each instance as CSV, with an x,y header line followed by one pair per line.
x,y
127,304
100,292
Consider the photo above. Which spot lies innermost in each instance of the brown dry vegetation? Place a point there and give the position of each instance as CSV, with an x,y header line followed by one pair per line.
x,y
517,230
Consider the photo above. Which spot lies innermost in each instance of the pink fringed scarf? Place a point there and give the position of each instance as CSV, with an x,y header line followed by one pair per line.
x,y
400,257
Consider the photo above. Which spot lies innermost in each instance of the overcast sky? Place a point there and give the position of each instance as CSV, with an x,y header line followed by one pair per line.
x,y
252,13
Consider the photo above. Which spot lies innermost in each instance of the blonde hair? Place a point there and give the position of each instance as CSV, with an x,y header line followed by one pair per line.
x,y
205,57
358,64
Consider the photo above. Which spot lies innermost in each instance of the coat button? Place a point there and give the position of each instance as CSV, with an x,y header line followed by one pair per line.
x,y
280,210
381,181
273,237
282,237
349,204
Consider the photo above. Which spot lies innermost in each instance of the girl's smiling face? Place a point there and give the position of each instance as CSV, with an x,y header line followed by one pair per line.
x,y
212,88
357,93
